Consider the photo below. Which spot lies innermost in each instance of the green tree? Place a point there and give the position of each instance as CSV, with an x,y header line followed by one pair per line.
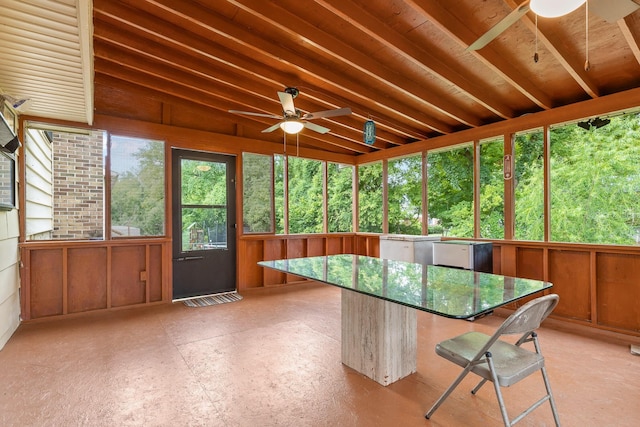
x,y
492,189
306,181
138,194
595,182
370,197
528,180
405,195
257,172
340,197
450,190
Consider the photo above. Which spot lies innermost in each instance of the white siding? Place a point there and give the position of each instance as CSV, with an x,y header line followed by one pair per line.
x,y
38,185
49,45
9,279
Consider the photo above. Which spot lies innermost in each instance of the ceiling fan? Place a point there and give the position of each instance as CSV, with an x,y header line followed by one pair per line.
x,y
610,10
293,120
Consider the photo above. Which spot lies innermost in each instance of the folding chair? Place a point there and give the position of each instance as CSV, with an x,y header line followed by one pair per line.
x,y
500,362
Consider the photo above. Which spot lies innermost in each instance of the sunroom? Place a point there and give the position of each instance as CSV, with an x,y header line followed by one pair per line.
x,y
154,164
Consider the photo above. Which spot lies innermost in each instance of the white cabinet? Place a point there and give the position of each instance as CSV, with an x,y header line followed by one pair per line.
x,y
408,248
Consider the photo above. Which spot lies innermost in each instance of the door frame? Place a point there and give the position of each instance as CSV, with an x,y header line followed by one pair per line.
x,y
231,159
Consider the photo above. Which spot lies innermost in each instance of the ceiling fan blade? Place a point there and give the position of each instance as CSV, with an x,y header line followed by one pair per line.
x,y
272,128
327,113
286,99
497,29
612,10
249,113
316,128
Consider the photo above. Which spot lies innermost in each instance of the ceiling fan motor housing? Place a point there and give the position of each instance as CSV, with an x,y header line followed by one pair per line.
x,y
292,91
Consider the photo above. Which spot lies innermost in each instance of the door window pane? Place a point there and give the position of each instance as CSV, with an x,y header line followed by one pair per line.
x,y
137,187
257,187
492,189
370,198
203,205
529,185
405,195
450,198
340,198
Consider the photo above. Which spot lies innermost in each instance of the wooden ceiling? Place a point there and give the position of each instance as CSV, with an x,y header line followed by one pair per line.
x,y
402,63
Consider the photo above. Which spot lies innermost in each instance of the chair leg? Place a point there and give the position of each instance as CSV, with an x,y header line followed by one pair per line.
x,y
552,402
547,384
480,384
448,391
496,386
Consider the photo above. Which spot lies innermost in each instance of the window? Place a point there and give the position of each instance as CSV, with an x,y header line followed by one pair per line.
x,y
595,181
203,204
528,181
404,184
64,188
257,188
492,189
306,181
450,198
279,163
370,198
7,181
7,161
137,187
339,198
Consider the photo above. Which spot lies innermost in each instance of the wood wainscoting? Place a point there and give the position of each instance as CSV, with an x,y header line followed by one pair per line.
x,y
61,278
255,248
598,285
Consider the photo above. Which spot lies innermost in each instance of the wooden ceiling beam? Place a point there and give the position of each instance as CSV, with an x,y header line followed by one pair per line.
x,y
630,27
114,83
570,61
334,48
199,20
373,27
261,98
177,85
411,127
463,35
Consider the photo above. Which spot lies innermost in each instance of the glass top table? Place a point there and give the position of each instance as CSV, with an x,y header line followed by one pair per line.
x,y
445,291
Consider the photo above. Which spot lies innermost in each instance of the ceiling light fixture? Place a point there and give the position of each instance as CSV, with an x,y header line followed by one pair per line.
x,y
291,126
554,8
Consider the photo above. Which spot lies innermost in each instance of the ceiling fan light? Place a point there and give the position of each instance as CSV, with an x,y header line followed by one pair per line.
x,y
554,8
291,126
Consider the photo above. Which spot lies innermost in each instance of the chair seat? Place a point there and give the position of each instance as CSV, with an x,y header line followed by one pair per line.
x,y
512,363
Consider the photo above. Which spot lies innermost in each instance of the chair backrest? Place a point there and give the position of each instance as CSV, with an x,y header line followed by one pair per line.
x,y
529,317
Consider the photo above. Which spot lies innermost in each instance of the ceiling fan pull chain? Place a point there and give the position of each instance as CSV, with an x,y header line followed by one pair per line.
x,y
587,65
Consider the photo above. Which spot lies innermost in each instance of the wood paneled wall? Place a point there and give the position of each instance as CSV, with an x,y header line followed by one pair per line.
x,y
599,285
255,248
68,277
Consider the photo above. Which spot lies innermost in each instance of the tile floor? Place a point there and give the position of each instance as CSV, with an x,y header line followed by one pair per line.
x,y
273,359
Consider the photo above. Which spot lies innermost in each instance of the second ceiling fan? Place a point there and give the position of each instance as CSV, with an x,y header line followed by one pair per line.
x,y
610,10
293,120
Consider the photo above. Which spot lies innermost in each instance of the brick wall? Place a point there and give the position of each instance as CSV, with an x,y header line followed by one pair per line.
x,y
78,186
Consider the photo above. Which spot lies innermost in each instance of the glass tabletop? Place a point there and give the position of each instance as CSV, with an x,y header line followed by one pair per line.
x,y
445,291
